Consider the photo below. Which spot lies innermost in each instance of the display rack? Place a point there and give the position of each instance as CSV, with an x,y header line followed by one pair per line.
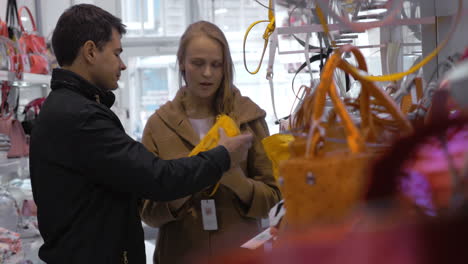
x,y
28,78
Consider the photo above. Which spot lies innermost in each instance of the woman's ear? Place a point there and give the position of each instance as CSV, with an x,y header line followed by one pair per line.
x,y
89,50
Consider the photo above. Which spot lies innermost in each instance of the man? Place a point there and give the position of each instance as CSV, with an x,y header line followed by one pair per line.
x,y
87,174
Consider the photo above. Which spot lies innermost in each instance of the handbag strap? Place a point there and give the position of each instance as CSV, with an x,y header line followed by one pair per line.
x,y
353,136
11,13
35,104
370,89
383,99
317,104
4,107
33,22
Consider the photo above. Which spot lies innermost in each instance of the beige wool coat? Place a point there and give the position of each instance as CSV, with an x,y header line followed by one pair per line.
x,y
245,195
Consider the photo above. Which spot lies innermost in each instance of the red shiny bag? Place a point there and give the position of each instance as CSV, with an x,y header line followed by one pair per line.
x,y
33,45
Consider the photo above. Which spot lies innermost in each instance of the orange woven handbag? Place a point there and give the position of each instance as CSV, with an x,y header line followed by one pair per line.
x,y
322,183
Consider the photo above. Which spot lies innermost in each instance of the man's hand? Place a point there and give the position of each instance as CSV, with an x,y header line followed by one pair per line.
x,y
237,146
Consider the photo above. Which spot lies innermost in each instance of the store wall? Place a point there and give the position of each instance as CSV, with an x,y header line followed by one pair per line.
x,y
459,41
445,10
448,7
50,10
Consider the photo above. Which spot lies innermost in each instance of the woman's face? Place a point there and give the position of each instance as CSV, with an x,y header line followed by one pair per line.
x,y
203,66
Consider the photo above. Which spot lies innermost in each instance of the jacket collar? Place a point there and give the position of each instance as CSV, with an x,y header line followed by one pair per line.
x,y
173,114
67,79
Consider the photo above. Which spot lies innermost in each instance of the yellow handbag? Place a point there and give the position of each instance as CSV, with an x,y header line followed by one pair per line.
x,y
210,140
277,150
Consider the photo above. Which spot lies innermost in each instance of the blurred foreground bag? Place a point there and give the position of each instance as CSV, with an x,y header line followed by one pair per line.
x,y
405,241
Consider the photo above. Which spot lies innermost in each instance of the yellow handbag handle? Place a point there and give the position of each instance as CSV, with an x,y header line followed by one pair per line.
x,y
266,35
211,139
324,23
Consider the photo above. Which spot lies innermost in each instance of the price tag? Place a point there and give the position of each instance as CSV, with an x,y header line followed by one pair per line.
x,y
258,240
208,209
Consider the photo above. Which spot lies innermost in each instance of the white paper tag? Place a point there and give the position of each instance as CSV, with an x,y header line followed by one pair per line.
x,y
276,213
258,240
208,209
265,222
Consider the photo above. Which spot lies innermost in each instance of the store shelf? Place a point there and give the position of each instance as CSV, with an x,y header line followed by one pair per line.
x,y
36,78
28,78
7,167
7,76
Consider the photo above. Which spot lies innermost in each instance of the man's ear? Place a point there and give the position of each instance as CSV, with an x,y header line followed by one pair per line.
x,y
89,50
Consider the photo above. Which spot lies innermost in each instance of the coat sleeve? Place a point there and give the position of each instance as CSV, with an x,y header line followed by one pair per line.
x,y
258,191
107,156
156,214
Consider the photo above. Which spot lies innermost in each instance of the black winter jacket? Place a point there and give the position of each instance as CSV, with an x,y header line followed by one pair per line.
x,y
88,175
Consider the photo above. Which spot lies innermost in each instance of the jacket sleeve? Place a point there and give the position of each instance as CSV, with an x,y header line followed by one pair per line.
x,y
156,214
109,157
258,191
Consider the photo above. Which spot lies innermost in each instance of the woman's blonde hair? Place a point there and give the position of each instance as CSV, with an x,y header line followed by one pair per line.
x,y
224,102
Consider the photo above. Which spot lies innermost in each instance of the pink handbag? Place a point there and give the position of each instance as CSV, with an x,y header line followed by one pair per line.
x,y
12,128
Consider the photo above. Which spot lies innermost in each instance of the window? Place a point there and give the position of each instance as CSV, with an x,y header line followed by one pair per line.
x,y
155,83
141,15
151,18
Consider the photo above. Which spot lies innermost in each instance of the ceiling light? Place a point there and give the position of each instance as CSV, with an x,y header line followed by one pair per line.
x,y
220,11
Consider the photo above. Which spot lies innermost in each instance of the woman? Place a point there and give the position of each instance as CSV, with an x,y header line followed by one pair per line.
x,y
247,192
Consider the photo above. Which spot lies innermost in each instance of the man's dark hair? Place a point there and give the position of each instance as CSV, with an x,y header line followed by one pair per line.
x,y
79,24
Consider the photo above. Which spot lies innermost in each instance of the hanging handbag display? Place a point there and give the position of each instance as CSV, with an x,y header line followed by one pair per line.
x,y
323,180
19,63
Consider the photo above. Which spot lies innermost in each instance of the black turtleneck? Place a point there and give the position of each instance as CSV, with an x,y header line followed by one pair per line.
x,y
62,78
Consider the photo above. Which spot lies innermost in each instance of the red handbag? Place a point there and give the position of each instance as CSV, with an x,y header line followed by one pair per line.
x,y
3,29
12,127
33,45
31,112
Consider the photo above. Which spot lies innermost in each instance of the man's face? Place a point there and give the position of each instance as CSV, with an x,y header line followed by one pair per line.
x,y
105,72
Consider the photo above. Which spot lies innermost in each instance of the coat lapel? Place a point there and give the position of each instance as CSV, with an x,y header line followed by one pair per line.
x,y
173,114
185,130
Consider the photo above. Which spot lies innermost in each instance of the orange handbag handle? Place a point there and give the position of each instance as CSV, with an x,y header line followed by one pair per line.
x,y
317,103
353,136
370,89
